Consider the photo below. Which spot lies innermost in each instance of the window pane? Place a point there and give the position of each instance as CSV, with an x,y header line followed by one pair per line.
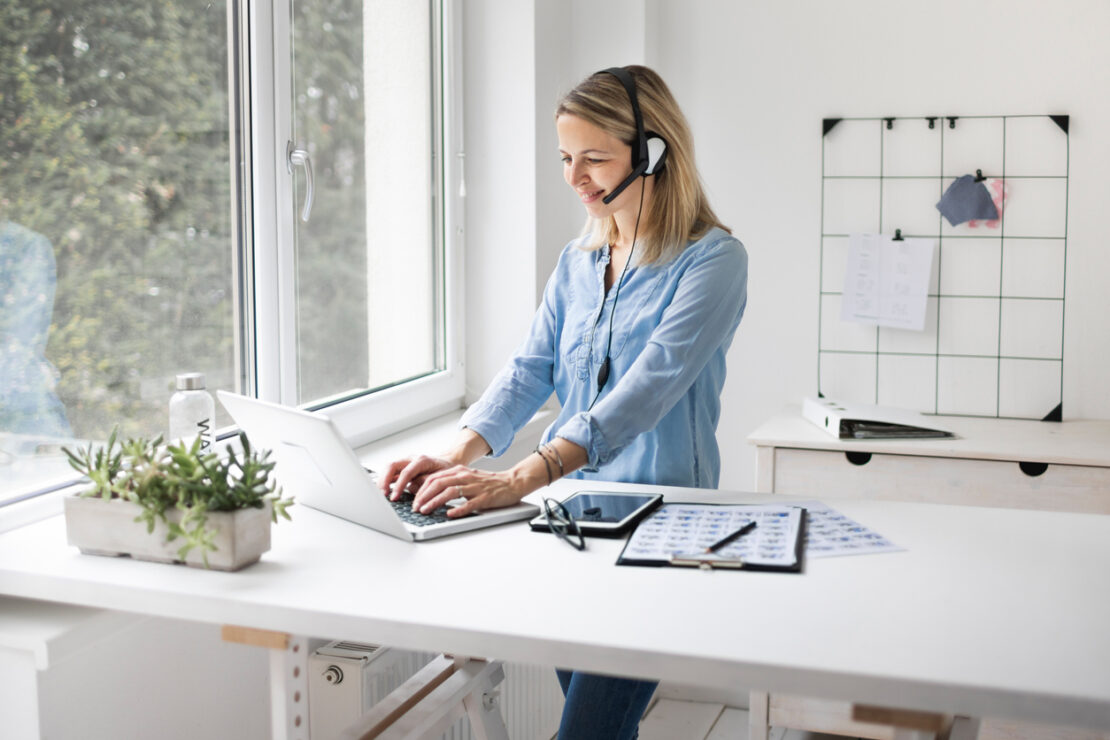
x,y
116,227
367,274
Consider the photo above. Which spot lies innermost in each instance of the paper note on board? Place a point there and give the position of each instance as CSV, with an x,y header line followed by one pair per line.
x,y
887,281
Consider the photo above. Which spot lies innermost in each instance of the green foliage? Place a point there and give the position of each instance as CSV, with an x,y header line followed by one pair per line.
x,y
116,145
102,467
162,478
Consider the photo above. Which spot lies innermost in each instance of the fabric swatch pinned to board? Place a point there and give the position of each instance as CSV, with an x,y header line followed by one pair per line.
x,y
1000,193
967,199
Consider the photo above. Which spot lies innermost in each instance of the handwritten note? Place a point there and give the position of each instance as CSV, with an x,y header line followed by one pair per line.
x,y
887,281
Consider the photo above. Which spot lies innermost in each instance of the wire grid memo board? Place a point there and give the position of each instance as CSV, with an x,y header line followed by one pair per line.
x,y
993,343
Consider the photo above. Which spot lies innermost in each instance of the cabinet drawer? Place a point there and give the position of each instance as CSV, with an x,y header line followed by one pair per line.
x,y
941,480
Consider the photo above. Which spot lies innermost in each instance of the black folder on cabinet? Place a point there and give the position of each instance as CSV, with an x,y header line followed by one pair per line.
x,y
845,420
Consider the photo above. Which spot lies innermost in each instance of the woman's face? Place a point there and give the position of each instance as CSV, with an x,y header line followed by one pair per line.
x,y
594,164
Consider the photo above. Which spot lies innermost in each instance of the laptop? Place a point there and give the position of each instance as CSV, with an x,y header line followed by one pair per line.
x,y
319,469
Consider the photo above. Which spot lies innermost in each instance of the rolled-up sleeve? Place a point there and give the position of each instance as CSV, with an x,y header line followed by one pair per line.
x,y
699,321
522,385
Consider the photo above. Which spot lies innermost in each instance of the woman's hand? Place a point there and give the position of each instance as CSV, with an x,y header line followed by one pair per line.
x,y
481,489
438,480
402,473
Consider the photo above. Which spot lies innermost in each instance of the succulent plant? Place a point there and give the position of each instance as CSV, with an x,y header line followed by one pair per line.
x,y
159,478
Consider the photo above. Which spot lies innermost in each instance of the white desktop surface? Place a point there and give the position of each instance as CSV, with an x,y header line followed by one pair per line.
x,y
988,612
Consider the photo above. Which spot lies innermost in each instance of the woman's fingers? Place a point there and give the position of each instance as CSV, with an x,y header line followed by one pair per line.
x,y
389,476
439,488
411,471
481,490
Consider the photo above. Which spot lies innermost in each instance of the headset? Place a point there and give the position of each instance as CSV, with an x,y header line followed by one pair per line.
x,y
649,151
649,154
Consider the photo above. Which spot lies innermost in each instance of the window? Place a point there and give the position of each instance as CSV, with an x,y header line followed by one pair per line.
x,y
365,261
151,216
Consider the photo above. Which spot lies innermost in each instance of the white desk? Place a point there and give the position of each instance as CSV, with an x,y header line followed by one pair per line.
x,y
975,618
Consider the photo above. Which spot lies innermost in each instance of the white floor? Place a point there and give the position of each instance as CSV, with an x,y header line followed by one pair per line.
x,y
672,719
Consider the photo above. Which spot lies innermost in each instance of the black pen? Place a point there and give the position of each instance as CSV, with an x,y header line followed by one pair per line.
x,y
729,538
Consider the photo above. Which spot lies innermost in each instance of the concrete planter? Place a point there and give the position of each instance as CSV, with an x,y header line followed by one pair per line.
x,y
100,527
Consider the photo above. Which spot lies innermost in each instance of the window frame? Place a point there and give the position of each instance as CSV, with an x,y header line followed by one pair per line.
x,y
270,258
259,99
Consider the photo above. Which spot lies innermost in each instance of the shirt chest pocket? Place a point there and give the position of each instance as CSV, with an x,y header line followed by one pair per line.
x,y
575,349
633,324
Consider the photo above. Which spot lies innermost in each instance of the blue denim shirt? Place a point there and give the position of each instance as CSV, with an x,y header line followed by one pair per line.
x,y
656,419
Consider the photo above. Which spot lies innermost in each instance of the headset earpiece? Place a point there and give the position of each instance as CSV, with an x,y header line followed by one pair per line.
x,y
657,154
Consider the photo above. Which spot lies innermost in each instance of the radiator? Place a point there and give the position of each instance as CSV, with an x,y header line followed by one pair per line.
x,y
346,678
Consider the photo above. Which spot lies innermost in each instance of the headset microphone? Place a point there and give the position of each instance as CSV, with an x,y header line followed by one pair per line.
x,y
649,165
637,171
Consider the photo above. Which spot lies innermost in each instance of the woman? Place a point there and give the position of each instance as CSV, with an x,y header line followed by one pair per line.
x,y
631,336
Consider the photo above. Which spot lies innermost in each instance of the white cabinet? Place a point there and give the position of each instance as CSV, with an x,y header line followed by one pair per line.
x,y
1058,466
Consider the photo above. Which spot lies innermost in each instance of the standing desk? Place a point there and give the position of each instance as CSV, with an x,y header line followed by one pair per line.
x,y
989,612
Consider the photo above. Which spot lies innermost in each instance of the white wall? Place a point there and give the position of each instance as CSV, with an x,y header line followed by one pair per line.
x,y
500,140
756,78
161,678
568,50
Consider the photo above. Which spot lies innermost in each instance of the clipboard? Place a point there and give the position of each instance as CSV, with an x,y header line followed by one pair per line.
x,y
677,535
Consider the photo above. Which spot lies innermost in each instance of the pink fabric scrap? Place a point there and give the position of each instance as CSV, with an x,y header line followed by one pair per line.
x,y
1000,193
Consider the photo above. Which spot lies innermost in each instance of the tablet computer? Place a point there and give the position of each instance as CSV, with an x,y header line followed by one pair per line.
x,y
604,513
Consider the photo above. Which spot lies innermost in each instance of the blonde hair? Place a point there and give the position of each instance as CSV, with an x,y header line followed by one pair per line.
x,y
679,209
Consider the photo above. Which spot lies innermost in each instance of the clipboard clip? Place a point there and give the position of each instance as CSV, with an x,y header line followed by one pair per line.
x,y
703,563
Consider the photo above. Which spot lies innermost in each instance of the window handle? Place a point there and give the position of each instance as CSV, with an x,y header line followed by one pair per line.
x,y
300,158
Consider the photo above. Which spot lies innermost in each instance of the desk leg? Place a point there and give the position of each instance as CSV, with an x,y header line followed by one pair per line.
x,y
904,733
426,705
288,678
965,728
486,722
759,703
765,469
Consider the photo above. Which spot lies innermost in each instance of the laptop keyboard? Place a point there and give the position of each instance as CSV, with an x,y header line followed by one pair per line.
x,y
403,507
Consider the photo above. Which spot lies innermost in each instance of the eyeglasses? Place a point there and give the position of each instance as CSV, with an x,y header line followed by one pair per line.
x,y
562,524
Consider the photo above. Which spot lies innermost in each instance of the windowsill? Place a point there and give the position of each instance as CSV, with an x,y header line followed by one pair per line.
x,y
36,508
431,437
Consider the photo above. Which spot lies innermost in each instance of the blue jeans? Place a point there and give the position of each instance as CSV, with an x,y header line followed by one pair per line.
x,y
602,707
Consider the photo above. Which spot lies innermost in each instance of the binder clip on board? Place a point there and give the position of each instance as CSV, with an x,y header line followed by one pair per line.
x,y
845,420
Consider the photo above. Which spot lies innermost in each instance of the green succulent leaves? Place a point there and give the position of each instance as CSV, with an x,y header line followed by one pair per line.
x,y
161,478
